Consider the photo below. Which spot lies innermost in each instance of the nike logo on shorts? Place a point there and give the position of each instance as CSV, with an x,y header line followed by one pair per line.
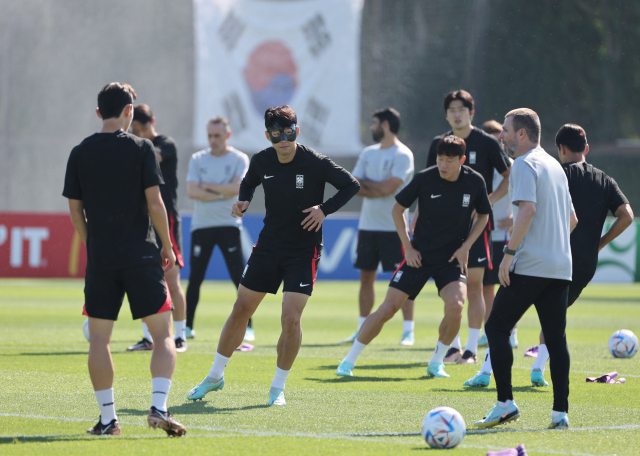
x,y
436,196
305,284
233,249
268,177
482,259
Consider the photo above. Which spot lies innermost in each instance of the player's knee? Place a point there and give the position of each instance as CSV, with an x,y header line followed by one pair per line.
x,y
290,320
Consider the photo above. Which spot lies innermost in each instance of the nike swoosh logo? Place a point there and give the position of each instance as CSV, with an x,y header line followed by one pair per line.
x,y
233,249
436,196
268,177
482,259
305,284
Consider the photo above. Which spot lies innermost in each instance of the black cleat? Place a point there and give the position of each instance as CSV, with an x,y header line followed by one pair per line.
x,y
157,419
143,345
181,345
113,428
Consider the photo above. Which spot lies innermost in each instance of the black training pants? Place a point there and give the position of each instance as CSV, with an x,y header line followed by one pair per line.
x,y
550,298
202,243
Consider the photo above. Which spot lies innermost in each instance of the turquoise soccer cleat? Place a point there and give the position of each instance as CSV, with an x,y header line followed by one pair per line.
x,y
206,386
276,397
436,370
537,378
190,333
407,339
351,339
559,422
499,415
345,369
249,335
480,379
514,341
483,341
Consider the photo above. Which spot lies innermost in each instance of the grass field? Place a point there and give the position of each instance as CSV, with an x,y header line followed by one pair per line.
x,y
47,402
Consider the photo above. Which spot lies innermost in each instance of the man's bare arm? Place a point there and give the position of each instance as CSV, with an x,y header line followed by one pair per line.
x,y
197,192
76,209
411,255
158,214
227,190
526,212
502,189
375,189
624,217
573,222
158,155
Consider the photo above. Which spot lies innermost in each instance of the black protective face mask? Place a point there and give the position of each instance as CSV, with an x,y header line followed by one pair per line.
x,y
278,133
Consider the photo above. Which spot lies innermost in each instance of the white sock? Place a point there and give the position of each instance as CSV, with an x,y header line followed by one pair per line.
x,y
360,321
514,333
160,393
456,342
355,351
219,364
106,404
439,353
486,366
280,379
541,360
145,332
180,331
409,325
505,404
472,343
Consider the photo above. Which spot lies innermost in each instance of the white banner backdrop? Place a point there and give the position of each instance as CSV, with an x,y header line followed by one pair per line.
x,y
255,54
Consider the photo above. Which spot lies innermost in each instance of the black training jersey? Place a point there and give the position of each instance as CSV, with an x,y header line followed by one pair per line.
x,y
444,218
166,147
593,194
484,154
109,172
290,188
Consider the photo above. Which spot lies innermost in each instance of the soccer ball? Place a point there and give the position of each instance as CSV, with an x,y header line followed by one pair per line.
x,y
623,344
443,427
85,329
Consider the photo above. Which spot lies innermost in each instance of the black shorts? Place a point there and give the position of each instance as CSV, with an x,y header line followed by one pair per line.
x,y
491,275
144,285
175,231
204,240
266,270
579,281
379,246
412,280
480,253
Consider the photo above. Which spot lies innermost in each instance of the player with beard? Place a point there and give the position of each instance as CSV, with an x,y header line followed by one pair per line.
x,y
382,170
289,246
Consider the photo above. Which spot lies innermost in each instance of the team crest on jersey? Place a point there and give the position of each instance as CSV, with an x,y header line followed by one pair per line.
x,y
465,200
299,181
472,158
227,169
386,164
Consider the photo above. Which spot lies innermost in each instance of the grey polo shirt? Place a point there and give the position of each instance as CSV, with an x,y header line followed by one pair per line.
x,y
545,250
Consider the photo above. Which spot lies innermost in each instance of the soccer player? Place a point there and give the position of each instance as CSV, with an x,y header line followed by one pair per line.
x,y
144,126
447,195
293,177
112,183
594,194
382,170
536,267
213,182
484,155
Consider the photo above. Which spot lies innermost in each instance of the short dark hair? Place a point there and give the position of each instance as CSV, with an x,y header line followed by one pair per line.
x,y
113,98
451,146
143,114
492,127
528,119
462,95
390,115
573,137
282,115
220,120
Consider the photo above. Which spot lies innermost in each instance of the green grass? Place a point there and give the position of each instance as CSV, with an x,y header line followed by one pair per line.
x,y
47,402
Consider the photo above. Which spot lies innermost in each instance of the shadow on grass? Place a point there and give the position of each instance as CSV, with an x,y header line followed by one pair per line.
x,y
358,379
492,390
377,366
320,345
409,349
56,353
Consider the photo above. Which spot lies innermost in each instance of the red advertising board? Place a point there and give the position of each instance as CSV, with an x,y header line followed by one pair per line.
x,y
40,245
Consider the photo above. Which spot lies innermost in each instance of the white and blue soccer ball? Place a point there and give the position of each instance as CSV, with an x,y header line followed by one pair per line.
x,y
85,329
444,428
623,344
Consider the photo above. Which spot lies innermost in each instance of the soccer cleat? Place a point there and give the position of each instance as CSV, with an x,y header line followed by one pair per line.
x,y
249,335
207,385
113,428
514,341
499,415
345,369
532,352
480,379
181,345
245,347
483,341
190,333
159,419
407,339
351,339
559,422
467,358
276,397
143,345
537,378
452,355
436,370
